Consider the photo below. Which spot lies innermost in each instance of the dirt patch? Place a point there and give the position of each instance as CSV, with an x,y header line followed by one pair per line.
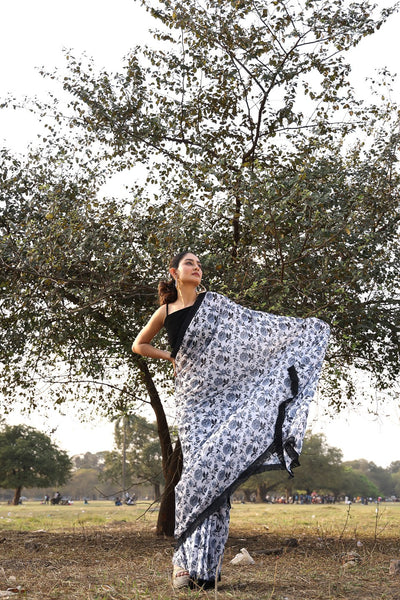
x,y
127,561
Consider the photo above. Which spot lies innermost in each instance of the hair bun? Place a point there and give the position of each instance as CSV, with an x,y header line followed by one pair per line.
x,y
167,292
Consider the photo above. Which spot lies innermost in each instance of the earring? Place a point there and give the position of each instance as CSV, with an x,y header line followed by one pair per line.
x,y
200,289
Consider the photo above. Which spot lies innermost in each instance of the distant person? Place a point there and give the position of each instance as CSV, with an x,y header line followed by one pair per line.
x,y
56,498
131,500
244,381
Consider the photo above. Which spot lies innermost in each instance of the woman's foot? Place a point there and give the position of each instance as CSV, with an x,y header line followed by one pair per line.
x,y
180,578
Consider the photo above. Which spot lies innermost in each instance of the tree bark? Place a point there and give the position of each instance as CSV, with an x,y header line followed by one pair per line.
x,y
166,515
261,492
124,454
17,495
171,457
157,492
247,494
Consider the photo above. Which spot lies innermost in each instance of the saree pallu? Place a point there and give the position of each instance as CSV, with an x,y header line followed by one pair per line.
x,y
244,382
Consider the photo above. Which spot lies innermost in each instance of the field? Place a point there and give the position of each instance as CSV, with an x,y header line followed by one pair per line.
x,y
103,552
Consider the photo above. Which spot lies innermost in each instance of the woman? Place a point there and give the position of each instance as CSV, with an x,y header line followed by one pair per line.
x,y
244,381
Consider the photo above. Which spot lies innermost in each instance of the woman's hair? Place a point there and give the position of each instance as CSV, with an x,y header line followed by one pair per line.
x,y
166,289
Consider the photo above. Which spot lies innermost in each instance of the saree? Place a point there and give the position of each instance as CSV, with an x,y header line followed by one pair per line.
x,y
244,382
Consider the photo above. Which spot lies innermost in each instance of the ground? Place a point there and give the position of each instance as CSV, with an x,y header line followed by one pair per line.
x,y
122,559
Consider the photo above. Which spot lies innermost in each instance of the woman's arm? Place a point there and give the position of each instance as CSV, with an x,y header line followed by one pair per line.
x,y
142,344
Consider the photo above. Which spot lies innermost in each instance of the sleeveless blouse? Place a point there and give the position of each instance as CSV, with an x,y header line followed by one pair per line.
x,y
178,321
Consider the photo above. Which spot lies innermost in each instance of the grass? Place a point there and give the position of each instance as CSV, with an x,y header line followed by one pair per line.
x,y
104,552
33,515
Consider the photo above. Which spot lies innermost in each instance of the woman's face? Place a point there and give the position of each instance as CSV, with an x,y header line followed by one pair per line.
x,y
188,271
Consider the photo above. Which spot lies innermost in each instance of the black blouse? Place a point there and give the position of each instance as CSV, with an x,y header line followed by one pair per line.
x,y
177,322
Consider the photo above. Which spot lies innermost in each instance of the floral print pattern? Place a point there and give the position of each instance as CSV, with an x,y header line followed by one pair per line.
x,y
232,381
201,553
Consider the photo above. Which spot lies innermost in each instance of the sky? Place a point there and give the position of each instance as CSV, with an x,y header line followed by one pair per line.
x,y
34,34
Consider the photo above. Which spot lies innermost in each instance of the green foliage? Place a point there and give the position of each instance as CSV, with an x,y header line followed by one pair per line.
x,y
137,458
320,466
380,477
73,261
29,459
356,484
394,466
322,470
88,460
84,483
396,483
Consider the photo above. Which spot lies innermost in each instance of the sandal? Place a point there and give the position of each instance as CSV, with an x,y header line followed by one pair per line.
x,y
180,578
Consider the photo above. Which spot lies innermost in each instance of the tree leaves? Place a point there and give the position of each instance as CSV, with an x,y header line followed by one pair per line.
x,y
29,459
247,144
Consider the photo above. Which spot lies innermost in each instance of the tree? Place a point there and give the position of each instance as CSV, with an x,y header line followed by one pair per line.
x,y
321,470
320,467
257,154
137,459
94,332
29,459
83,483
89,460
380,477
259,486
394,466
249,107
396,483
355,484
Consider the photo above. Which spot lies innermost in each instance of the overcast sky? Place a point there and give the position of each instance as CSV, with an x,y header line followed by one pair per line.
x,y
34,33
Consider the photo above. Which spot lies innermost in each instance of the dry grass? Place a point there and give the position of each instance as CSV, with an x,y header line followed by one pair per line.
x,y
105,553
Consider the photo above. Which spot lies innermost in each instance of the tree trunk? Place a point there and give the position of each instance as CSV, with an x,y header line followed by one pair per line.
x,y
247,494
157,492
166,515
17,495
171,457
124,454
261,492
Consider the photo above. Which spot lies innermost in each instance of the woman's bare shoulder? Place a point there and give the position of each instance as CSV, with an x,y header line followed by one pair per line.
x,y
160,314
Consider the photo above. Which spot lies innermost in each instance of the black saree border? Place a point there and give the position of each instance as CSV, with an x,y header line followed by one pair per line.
x,y
277,447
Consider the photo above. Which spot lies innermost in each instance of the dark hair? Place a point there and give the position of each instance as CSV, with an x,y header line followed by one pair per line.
x,y
167,289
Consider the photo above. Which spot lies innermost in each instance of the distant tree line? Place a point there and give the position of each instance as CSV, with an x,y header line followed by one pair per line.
x,y
134,467
323,472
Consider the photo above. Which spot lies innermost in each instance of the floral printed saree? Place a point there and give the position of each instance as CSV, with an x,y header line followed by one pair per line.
x,y
244,382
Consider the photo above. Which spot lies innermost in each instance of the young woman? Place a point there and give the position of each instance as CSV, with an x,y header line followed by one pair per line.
x,y
244,381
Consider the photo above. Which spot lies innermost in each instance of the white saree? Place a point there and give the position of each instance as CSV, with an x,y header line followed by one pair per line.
x,y
244,382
